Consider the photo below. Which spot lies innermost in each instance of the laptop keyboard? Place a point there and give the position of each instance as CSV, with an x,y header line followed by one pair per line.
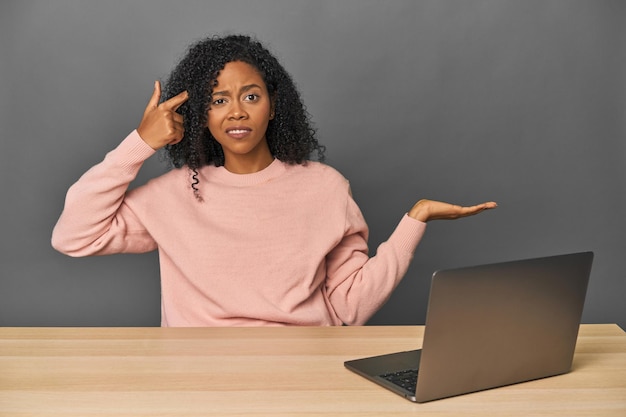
x,y
406,379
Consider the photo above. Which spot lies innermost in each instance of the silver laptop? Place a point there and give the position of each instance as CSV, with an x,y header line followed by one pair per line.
x,y
489,326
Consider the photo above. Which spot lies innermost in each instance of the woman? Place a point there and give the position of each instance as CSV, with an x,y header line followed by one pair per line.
x,y
249,231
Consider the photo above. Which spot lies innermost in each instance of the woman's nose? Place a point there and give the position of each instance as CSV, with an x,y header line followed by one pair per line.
x,y
237,111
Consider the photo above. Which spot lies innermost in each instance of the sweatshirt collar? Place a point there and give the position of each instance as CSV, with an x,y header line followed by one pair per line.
x,y
273,170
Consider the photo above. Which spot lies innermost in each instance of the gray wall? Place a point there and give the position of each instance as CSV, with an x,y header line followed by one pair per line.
x,y
521,102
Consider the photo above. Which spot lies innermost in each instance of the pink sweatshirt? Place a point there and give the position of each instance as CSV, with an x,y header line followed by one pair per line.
x,y
283,246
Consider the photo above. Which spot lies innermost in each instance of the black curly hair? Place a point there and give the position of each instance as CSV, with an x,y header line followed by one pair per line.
x,y
290,135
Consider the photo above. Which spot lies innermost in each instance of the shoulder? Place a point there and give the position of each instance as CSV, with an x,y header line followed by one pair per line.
x,y
317,172
322,185
173,181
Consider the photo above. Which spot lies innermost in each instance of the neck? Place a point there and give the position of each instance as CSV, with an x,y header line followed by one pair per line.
x,y
248,165
248,162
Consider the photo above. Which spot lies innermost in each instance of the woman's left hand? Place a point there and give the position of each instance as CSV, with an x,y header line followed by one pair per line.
x,y
426,210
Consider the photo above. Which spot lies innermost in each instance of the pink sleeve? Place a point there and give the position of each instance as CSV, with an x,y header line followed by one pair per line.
x,y
357,285
95,219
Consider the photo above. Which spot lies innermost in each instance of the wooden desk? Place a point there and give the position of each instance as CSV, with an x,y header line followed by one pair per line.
x,y
270,372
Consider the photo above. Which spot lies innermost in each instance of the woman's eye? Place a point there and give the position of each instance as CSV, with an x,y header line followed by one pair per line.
x,y
251,97
218,102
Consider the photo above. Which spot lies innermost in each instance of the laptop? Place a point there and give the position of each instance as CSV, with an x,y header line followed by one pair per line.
x,y
489,326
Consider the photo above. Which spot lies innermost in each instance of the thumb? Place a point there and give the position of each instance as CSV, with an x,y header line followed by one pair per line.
x,y
156,95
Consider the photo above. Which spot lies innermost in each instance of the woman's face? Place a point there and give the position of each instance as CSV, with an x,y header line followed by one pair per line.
x,y
239,113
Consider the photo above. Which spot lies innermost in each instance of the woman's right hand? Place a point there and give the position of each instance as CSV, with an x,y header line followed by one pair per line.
x,y
161,125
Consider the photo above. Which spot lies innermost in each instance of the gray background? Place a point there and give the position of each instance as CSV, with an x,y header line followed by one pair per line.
x,y
521,102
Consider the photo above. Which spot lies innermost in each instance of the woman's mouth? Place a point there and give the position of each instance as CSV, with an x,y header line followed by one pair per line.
x,y
238,132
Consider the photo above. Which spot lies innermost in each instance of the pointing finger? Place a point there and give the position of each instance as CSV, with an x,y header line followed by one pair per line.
x,y
175,102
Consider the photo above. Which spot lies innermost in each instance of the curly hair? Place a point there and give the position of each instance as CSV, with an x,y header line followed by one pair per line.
x,y
290,135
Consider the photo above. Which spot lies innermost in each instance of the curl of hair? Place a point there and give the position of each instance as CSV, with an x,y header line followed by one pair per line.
x,y
290,135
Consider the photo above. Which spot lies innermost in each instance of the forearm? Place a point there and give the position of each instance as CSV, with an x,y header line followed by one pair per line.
x,y
369,281
90,219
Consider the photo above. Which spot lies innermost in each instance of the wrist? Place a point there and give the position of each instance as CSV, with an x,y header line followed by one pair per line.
x,y
145,137
419,211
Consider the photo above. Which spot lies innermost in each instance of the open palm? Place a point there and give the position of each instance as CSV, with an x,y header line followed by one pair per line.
x,y
425,210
